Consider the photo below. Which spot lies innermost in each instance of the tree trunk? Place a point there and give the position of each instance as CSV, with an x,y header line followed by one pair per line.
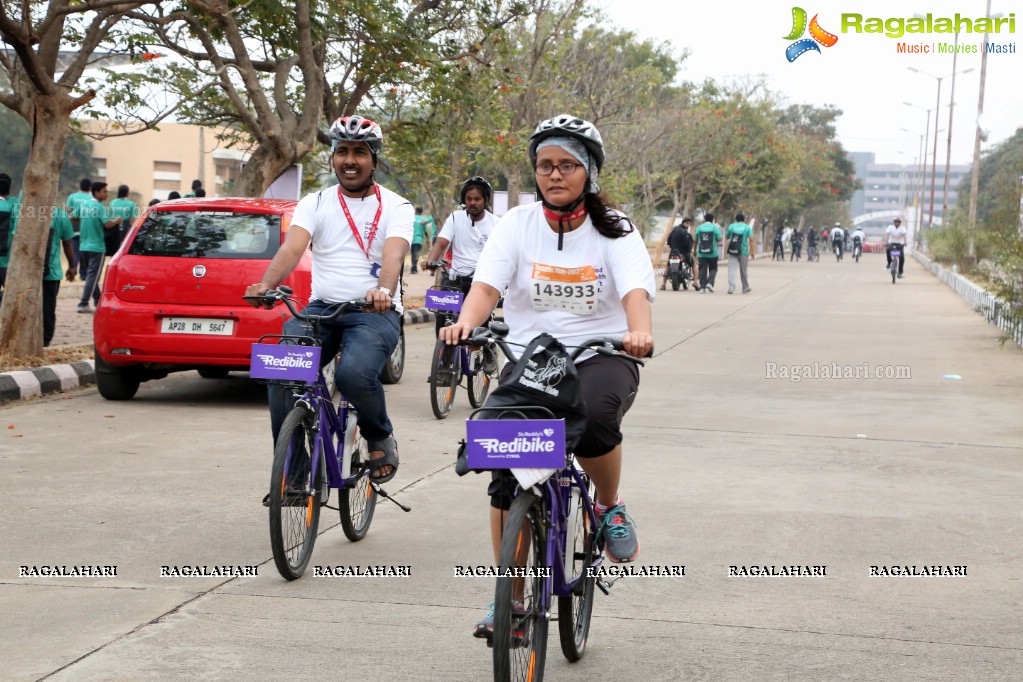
x,y
514,187
264,166
21,321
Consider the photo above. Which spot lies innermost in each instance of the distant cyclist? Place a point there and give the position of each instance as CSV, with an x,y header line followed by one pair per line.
x,y
797,246
858,237
895,234
465,232
680,241
811,243
838,240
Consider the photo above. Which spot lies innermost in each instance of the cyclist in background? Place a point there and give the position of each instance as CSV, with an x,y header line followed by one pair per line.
x,y
360,233
811,243
576,238
858,237
680,240
838,240
422,234
465,232
895,234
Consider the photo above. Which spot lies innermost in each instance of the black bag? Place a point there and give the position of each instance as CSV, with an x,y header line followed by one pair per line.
x,y
544,376
111,239
705,243
735,244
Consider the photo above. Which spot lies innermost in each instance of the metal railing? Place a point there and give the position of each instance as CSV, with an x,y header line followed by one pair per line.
x,y
995,310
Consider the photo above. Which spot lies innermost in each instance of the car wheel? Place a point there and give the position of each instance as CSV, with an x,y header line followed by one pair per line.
x,y
395,365
213,372
116,383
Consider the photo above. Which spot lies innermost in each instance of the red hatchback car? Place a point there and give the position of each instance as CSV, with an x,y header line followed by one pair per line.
x,y
172,295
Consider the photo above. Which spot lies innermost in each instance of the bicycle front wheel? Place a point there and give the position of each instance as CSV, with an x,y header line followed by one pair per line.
x,y
520,625
479,382
358,503
443,378
574,611
294,496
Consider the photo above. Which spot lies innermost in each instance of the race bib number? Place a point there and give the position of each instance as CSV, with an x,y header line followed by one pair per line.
x,y
573,290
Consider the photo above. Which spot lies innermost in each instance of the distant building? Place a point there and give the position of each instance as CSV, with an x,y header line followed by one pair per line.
x,y
156,162
893,187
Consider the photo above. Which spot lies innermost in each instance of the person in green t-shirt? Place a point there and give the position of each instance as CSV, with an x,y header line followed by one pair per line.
x,y
74,201
93,219
707,237
422,234
737,245
125,211
61,235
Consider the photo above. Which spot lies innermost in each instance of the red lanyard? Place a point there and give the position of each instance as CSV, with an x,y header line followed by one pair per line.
x,y
351,223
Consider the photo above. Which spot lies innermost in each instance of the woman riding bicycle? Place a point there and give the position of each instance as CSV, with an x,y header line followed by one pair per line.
x,y
575,268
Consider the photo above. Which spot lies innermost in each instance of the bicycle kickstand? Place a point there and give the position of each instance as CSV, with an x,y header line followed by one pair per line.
x,y
383,493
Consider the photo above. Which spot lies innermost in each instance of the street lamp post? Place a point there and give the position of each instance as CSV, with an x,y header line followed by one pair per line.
x,y
923,166
918,181
934,153
971,249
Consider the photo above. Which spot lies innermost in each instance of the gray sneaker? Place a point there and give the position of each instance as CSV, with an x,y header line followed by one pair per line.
x,y
619,532
84,308
485,626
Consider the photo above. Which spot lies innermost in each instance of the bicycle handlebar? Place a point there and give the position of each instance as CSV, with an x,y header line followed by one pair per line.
x,y
284,294
495,333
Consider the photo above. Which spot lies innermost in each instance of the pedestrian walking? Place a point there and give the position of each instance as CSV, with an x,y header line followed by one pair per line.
x,y
708,235
737,237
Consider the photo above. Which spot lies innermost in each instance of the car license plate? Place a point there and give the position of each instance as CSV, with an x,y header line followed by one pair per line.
x,y
197,325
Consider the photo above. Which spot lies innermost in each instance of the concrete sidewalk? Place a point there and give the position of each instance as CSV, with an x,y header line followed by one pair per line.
x,y
828,420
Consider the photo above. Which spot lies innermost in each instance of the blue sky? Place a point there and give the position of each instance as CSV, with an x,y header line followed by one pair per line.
x,y
862,74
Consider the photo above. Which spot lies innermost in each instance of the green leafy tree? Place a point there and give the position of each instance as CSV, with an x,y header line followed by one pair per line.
x,y
50,45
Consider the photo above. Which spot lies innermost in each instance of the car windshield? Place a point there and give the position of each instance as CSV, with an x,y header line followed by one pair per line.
x,y
208,234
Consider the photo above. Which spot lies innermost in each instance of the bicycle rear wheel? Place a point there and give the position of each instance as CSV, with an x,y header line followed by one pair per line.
x,y
520,626
479,383
294,498
443,378
357,504
574,611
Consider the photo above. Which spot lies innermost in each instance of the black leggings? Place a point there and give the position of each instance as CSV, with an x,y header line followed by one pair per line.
x,y
609,385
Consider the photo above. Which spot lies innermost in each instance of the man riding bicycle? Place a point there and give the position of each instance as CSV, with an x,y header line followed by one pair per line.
x,y
858,237
838,240
359,233
895,235
680,241
465,232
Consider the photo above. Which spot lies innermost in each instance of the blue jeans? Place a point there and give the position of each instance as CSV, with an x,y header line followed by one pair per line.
x,y
91,264
366,341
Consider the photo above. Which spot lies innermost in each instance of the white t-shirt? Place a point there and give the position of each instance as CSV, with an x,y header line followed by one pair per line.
x,y
857,234
341,270
896,235
466,239
574,294
837,233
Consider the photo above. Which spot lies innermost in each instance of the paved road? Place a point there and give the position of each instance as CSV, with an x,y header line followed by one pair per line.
x,y
725,467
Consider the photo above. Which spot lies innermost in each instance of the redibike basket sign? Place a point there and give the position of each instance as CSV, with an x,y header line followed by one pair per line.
x,y
438,299
515,443
285,362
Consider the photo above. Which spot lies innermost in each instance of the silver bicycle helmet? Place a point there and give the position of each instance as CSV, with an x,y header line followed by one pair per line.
x,y
569,126
355,128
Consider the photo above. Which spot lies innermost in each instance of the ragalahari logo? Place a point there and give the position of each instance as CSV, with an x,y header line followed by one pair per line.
x,y
817,35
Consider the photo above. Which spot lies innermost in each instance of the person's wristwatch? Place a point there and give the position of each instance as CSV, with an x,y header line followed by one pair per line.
x,y
386,291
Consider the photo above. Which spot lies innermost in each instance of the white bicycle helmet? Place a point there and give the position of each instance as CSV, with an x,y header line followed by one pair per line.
x,y
355,128
569,126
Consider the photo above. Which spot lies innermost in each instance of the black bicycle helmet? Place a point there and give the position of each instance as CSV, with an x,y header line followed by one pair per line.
x,y
480,183
357,129
569,126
